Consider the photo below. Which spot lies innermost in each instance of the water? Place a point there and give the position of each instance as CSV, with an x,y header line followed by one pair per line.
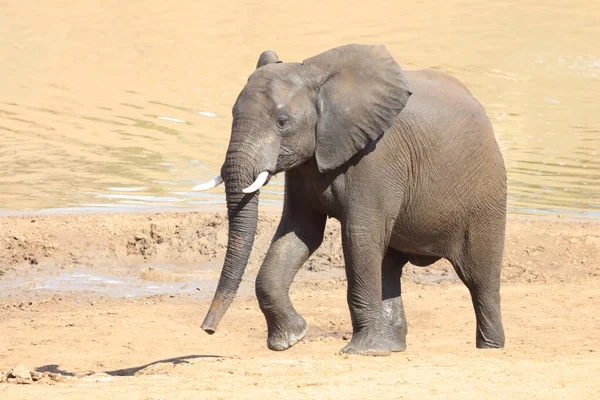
x,y
198,281
113,105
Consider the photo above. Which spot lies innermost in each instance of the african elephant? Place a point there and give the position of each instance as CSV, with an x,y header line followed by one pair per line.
x,y
406,161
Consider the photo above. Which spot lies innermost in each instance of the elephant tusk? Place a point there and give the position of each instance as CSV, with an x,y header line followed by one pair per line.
x,y
209,185
258,183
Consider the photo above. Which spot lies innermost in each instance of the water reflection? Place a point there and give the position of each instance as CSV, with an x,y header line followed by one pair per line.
x,y
106,105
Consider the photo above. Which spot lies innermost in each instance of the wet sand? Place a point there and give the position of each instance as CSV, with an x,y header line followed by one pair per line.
x,y
96,340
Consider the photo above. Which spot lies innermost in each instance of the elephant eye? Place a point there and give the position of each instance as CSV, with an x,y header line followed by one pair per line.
x,y
282,122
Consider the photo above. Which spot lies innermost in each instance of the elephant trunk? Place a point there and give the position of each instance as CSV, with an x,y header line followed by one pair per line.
x,y
242,210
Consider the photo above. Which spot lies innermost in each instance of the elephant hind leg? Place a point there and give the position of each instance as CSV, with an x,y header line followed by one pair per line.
x,y
479,266
394,319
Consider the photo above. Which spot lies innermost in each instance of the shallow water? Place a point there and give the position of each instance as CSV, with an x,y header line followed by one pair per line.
x,y
198,281
163,280
112,105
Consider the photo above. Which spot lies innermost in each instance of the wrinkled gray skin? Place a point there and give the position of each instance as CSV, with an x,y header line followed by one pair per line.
x,y
405,160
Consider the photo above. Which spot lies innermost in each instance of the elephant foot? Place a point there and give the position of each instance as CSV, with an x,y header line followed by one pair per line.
x,y
481,344
398,345
287,334
490,339
397,337
370,345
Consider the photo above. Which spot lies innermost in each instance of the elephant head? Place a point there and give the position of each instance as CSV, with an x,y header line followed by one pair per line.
x,y
329,107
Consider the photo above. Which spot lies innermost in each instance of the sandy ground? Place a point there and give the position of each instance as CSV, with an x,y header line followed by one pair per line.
x,y
100,344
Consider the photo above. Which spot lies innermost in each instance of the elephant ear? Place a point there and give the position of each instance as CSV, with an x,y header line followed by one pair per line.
x,y
267,57
362,91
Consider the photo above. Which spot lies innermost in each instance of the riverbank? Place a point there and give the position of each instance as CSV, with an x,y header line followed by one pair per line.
x,y
536,250
134,326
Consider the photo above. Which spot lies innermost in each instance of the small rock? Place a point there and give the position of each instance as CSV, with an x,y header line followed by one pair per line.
x,y
36,376
347,336
140,236
3,376
20,372
55,377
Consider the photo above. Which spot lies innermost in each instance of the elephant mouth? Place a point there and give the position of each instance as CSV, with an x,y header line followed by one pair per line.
x,y
261,180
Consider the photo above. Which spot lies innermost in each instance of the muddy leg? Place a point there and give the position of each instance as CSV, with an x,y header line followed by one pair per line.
x,y
363,269
394,319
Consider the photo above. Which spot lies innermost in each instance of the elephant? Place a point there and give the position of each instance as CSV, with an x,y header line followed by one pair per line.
x,y
406,161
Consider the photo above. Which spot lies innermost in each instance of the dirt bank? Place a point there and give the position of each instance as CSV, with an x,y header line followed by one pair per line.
x,y
536,251
152,347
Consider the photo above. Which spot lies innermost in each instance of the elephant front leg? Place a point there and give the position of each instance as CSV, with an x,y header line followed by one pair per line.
x,y
296,239
394,319
363,256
